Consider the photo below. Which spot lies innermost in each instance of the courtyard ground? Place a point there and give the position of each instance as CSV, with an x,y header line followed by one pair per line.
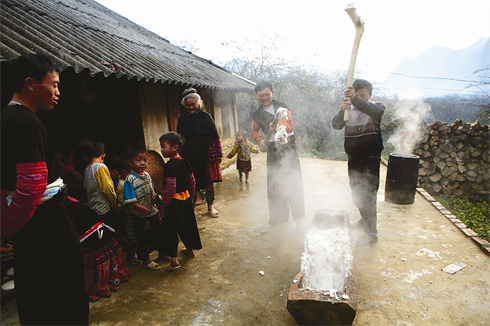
x,y
399,279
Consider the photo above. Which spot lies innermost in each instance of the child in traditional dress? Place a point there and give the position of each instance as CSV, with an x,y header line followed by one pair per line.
x,y
243,148
138,193
179,219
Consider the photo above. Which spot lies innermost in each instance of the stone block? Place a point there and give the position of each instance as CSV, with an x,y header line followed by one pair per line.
x,y
435,177
437,204
462,168
460,225
481,242
472,174
469,232
436,187
458,192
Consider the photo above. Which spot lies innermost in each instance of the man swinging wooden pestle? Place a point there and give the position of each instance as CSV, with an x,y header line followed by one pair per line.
x,y
363,144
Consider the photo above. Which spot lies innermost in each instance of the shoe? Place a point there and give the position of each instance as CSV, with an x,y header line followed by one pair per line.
x,y
171,268
8,286
153,266
188,253
200,202
214,213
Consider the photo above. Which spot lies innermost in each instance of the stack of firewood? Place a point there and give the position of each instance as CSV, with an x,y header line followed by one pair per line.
x,y
455,159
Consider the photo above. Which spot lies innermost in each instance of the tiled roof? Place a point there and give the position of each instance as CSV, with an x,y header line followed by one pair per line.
x,y
83,34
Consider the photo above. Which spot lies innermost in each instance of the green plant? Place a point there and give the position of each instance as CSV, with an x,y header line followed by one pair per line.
x,y
475,215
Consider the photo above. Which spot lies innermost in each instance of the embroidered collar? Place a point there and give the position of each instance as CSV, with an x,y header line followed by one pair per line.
x,y
138,175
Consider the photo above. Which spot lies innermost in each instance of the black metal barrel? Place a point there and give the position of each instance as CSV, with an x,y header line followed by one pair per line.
x,y
401,178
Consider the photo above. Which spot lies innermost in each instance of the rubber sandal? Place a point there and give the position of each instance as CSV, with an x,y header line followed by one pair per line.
x,y
171,269
153,266
188,253
214,213
200,202
8,286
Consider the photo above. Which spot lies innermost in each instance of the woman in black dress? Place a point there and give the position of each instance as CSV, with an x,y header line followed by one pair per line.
x,y
202,147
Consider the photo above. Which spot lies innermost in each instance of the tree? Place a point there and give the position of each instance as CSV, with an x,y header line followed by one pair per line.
x,y
452,107
254,61
483,101
313,96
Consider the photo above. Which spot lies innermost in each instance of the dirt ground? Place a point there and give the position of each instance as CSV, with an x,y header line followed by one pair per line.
x,y
399,278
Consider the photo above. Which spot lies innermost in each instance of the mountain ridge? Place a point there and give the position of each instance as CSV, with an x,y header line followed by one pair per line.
x,y
433,73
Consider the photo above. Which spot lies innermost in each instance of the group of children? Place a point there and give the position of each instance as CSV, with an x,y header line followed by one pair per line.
x,y
145,220
124,197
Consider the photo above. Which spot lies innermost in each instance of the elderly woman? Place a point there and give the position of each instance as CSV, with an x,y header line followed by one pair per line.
x,y
202,147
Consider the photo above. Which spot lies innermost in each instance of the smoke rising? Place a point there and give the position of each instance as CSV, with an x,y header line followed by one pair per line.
x,y
410,114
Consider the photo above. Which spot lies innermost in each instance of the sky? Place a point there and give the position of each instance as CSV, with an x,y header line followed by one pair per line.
x,y
315,34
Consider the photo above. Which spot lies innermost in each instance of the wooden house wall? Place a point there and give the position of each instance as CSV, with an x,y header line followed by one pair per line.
x,y
160,109
225,104
154,104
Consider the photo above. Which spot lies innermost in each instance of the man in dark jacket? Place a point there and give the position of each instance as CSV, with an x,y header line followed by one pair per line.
x,y
363,144
284,177
48,263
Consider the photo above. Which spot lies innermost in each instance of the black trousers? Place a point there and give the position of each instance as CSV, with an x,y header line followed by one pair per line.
x,y
284,183
179,221
49,270
146,230
364,183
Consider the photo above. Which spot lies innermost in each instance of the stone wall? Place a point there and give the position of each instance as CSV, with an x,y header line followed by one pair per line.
x,y
454,159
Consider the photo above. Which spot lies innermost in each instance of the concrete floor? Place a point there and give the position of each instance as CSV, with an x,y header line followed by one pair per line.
x,y
399,278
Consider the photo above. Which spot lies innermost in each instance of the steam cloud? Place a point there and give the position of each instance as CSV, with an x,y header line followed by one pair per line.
x,y
411,113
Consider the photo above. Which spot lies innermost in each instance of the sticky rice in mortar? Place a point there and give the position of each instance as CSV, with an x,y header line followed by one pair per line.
x,y
327,259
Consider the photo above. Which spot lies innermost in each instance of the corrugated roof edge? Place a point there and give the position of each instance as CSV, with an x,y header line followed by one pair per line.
x,y
96,68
